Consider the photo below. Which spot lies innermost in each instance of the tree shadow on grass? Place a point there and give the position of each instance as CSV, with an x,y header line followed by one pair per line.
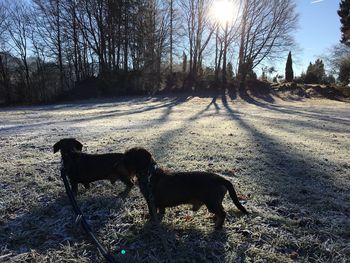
x,y
52,225
266,104
260,90
88,103
167,103
168,243
162,147
289,176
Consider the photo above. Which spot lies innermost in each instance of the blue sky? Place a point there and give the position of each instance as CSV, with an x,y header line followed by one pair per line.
x,y
319,29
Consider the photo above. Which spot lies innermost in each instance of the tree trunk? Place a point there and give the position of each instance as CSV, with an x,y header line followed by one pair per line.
x,y
126,39
5,78
224,58
171,37
75,44
241,68
59,45
216,55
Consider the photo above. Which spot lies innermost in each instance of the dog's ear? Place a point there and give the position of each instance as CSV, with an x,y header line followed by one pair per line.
x,y
57,147
149,159
78,145
137,159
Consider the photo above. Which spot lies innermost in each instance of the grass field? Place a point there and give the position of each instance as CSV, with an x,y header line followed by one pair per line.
x,y
289,162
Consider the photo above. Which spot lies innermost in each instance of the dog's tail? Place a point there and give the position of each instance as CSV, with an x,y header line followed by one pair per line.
x,y
233,195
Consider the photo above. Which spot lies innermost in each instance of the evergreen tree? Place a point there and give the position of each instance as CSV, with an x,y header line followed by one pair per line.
x,y
184,62
344,71
289,68
344,13
315,73
330,79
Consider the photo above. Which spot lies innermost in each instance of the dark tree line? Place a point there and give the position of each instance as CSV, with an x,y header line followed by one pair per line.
x,y
49,48
339,57
344,13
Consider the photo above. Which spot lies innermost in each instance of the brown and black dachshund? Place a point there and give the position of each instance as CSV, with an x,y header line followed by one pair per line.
x,y
86,168
169,189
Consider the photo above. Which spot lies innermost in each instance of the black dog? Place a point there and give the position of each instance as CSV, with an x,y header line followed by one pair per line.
x,y
86,168
163,189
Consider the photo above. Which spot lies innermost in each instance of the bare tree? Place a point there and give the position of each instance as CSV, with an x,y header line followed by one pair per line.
x,y
40,51
266,29
3,19
19,32
4,69
230,36
199,30
171,34
74,40
156,39
218,54
226,35
50,21
338,61
91,24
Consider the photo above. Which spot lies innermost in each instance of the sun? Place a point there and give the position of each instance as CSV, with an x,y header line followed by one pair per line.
x,y
223,11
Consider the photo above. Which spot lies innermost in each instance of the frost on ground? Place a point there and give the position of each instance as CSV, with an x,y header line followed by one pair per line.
x,y
289,161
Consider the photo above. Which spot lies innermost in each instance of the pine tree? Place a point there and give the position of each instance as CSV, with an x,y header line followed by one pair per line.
x,y
315,73
289,68
344,13
184,62
344,71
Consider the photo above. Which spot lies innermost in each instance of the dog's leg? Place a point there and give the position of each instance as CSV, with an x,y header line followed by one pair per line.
x,y
148,195
151,209
219,212
126,180
143,184
220,218
125,192
161,213
128,184
161,210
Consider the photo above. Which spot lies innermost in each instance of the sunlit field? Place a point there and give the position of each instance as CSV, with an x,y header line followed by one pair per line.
x,y
289,163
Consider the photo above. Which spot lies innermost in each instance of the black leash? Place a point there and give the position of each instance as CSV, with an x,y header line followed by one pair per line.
x,y
81,219
151,171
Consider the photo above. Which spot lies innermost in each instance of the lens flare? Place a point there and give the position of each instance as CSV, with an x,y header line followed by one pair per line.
x,y
223,11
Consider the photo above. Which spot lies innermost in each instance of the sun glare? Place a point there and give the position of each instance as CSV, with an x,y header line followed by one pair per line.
x,y
223,11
